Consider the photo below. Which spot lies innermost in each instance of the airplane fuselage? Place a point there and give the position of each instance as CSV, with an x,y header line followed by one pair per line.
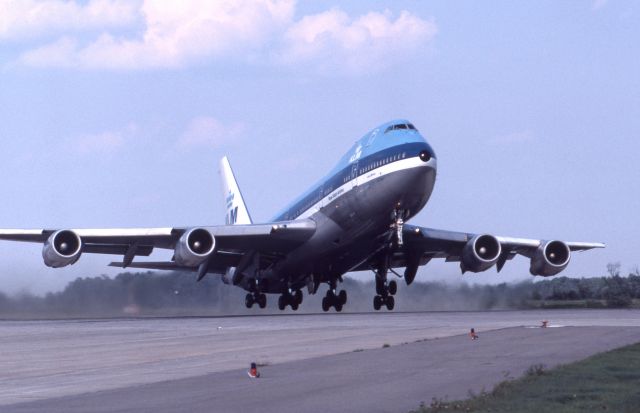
x,y
388,174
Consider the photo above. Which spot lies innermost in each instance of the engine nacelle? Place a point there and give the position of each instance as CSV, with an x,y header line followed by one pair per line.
x,y
550,258
480,253
194,247
63,248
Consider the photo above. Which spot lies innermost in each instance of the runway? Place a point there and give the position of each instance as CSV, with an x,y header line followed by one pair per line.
x,y
313,361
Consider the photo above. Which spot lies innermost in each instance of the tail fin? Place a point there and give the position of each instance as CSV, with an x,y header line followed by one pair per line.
x,y
237,212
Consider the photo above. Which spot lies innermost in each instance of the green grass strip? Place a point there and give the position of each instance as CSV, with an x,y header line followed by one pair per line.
x,y
606,382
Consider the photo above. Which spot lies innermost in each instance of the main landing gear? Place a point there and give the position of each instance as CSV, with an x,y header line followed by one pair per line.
x,y
255,298
294,299
334,300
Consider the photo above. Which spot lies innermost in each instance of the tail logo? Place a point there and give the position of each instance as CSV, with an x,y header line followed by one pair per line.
x,y
232,216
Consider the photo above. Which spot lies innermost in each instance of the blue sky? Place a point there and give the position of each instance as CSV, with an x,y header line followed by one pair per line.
x,y
115,113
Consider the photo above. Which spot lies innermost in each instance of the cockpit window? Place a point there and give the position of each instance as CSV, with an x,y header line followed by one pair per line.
x,y
400,126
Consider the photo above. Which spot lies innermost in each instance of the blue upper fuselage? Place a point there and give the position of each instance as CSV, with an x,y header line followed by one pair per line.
x,y
386,136
398,137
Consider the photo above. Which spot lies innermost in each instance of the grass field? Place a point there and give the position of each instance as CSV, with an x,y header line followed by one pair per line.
x,y
607,382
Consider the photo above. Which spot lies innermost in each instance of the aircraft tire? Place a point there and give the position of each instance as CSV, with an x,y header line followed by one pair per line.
x,y
262,300
282,302
248,300
338,307
377,302
342,297
294,305
390,302
393,287
325,304
298,296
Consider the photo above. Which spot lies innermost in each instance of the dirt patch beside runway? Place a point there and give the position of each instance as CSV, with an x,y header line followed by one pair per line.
x,y
394,379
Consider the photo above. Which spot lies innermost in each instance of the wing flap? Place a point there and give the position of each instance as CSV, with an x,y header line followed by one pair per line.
x,y
276,238
116,249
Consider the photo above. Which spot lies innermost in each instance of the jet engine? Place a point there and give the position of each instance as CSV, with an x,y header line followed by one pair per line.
x,y
61,249
550,258
194,247
480,253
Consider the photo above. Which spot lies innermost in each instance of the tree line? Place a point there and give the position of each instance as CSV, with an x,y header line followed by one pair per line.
x,y
177,293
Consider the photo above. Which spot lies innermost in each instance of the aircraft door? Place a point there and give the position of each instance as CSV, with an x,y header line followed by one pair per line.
x,y
354,174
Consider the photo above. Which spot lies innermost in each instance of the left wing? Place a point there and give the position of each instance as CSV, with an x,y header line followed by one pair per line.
x,y
217,246
478,252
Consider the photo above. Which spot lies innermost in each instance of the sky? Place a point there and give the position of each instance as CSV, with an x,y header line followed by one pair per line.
x,y
115,114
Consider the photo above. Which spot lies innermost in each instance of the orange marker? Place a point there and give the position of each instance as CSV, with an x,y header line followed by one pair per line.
x,y
253,371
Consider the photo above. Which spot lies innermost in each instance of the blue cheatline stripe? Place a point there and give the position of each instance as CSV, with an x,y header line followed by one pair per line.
x,y
364,165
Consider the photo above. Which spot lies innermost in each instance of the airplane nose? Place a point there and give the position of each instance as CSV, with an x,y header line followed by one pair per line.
x,y
425,156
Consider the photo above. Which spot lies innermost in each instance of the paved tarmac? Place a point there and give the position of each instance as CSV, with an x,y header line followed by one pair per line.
x,y
193,364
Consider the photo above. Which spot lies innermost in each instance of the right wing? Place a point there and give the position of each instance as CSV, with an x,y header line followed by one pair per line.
x,y
421,245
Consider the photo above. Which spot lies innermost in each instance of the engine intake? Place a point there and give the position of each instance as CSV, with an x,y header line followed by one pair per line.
x,y
550,258
194,247
480,253
63,248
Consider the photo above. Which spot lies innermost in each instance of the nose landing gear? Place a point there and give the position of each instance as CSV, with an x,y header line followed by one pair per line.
x,y
385,292
398,224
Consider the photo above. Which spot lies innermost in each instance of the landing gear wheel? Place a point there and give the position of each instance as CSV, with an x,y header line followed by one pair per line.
x,y
297,297
377,302
342,297
248,300
390,302
330,295
325,304
282,302
262,300
294,305
338,307
393,287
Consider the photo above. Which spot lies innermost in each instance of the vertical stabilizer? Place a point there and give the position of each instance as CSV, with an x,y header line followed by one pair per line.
x,y
237,212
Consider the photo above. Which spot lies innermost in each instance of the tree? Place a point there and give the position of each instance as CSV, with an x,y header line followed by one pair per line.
x,y
613,268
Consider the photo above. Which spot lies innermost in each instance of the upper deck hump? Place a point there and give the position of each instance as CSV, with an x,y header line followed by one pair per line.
x,y
387,135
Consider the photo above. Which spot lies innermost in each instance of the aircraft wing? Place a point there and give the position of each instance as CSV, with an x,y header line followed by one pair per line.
x,y
421,244
231,241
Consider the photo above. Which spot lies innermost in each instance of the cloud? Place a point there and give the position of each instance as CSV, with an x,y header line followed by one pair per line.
x,y
205,131
103,143
374,40
175,34
162,34
100,142
21,19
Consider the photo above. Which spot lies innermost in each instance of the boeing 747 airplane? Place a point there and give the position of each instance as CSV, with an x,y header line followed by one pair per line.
x,y
352,220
